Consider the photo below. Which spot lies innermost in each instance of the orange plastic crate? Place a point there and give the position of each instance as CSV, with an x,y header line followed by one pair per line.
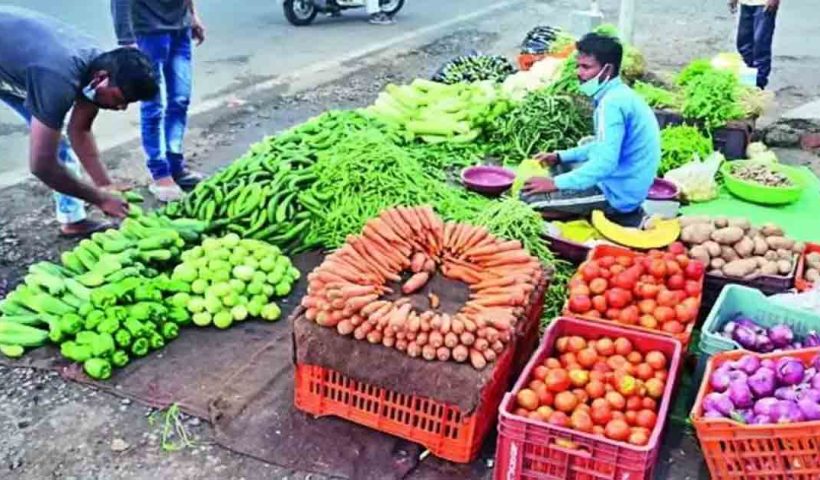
x,y
612,250
800,281
734,451
444,429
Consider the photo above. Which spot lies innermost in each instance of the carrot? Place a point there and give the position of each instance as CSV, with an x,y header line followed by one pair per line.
x,y
356,320
410,336
461,354
491,334
386,245
443,354
435,339
450,340
425,323
309,301
412,219
383,230
375,264
497,346
469,325
415,283
480,234
477,359
434,300
374,337
428,353
325,320
399,224
388,342
446,324
399,318
490,355
466,233
374,306
325,276
357,303
466,338
401,345
495,248
345,327
507,258
400,335
505,336
387,332
338,304
495,282
413,323
493,300
413,350
481,344
501,324
382,312
362,330
435,322
459,273
423,213
448,233
457,325
417,262
422,339
311,313
429,266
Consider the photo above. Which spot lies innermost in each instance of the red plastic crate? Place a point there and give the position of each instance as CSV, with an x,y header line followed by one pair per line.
x,y
612,250
444,429
734,451
530,450
800,281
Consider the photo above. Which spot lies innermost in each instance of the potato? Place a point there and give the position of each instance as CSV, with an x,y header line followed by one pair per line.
x,y
780,242
761,261
740,223
685,221
697,234
740,268
812,275
728,253
770,268
784,266
761,247
713,248
771,255
728,235
813,260
784,254
699,253
721,222
716,273
771,230
717,263
745,247
753,275
753,232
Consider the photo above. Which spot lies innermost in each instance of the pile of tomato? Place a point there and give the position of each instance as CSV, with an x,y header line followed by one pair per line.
x,y
658,290
602,387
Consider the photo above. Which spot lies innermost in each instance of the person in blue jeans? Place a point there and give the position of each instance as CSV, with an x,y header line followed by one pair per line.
x,y
56,78
164,30
755,33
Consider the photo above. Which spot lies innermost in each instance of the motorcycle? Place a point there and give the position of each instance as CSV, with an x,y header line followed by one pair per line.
x,y
303,12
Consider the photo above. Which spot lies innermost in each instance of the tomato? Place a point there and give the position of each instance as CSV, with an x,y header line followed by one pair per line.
x,y
656,360
616,400
606,262
568,359
581,421
561,344
672,326
649,291
527,399
544,412
676,282
595,389
623,346
545,397
521,412
658,269
624,280
598,286
613,313
673,268
565,402
534,415
576,344
650,404
666,298
644,371
576,281
629,315
616,269
605,347
625,384
553,362
578,377
661,375
580,303
559,419
648,321
647,419
582,397
536,384
635,357
616,362
599,370
678,248
681,295
618,297
540,372
683,261
684,314
664,314
631,417
692,288
590,270
601,414
617,430
587,357
606,274
618,415
654,388
624,261
647,306
634,403
593,314
638,437
694,271
557,380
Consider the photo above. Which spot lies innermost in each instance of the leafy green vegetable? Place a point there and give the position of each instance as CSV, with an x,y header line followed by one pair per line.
x,y
712,98
658,97
680,144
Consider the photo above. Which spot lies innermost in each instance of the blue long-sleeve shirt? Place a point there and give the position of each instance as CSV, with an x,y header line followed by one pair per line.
x,y
624,157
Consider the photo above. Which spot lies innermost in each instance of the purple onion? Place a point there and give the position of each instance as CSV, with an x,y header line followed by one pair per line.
x,y
781,336
745,322
790,371
815,362
761,420
764,406
786,411
738,376
762,383
810,393
809,408
763,343
718,402
787,393
796,345
713,414
811,340
815,382
720,379
729,328
745,336
748,364
746,415
740,394
768,363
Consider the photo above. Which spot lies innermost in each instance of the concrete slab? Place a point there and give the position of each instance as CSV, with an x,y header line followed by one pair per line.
x,y
807,111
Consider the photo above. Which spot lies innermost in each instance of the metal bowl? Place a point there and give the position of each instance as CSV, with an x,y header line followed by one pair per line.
x,y
487,179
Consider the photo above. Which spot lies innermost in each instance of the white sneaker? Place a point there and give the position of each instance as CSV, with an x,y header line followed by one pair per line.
x,y
166,193
381,18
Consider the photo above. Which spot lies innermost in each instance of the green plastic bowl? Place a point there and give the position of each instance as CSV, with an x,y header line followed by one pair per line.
x,y
757,193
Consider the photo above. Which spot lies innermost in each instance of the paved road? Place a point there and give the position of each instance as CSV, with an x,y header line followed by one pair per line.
x,y
248,41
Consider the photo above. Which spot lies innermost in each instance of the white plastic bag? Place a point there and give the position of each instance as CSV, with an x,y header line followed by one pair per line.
x,y
696,179
808,300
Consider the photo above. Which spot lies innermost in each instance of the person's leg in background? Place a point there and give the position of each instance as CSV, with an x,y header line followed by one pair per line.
x,y
157,48
746,34
377,17
177,72
70,211
764,21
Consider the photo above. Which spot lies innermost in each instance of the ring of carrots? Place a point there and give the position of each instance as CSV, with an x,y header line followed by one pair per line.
x,y
345,291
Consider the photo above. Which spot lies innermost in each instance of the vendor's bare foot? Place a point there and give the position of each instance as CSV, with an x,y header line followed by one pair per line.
x,y
166,190
83,228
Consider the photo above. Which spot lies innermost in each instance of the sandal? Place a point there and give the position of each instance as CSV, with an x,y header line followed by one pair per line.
x,y
188,179
85,228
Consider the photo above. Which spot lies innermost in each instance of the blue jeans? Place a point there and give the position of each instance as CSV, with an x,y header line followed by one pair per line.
x,y
69,209
165,118
754,40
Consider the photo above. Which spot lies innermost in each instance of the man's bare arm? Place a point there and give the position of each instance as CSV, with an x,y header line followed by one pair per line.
x,y
84,144
45,166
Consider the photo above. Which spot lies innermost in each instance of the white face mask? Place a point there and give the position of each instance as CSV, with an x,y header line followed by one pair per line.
x,y
594,85
90,90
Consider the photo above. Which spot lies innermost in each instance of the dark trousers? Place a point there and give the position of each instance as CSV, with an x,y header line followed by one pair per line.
x,y
754,40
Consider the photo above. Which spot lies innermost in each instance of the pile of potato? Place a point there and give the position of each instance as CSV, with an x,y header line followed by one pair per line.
x,y
732,247
812,267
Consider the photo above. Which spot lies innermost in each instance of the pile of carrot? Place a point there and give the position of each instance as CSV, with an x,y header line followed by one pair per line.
x,y
346,291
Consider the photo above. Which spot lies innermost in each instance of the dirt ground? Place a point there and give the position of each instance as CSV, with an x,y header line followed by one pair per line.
x,y
59,430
